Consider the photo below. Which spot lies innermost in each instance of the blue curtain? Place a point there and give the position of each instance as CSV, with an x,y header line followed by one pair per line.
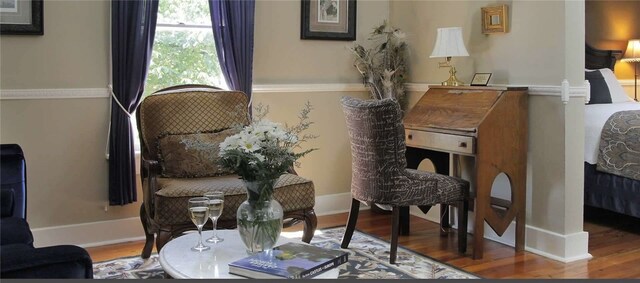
x,y
133,25
232,22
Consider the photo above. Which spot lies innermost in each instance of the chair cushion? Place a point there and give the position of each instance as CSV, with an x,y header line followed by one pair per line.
x,y
292,191
192,155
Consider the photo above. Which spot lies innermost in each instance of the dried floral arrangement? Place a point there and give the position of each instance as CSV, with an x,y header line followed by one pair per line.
x,y
383,67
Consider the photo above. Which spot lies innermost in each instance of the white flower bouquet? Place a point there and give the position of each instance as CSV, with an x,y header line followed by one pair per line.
x,y
264,150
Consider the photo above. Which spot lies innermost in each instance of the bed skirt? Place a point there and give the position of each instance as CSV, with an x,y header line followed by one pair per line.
x,y
611,192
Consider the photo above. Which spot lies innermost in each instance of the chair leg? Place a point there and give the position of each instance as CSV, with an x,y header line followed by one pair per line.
x,y
351,223
405,221
394,234
444,220
463,216
148,245
310,224
163,238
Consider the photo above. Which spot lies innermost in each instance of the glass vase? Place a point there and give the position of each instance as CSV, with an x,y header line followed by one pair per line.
x,y
260,216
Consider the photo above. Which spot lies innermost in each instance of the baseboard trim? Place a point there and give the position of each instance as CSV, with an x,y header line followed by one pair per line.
x,y
116,231
563,248
90,234
334,204
552,245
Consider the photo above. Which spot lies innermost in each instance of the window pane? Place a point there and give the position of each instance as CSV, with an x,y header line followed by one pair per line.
x,y
183,56
184,11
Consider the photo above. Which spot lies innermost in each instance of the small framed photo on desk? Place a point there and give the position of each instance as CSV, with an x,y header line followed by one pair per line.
x,y
480,79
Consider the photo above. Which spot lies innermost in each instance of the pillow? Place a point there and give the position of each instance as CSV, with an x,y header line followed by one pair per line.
x,y
615,89
191,155
599,91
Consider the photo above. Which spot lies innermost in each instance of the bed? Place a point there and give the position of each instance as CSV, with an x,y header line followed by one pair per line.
x,y
604,190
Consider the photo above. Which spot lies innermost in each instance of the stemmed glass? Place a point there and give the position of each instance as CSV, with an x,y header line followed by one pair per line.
x,y
199,212
216,204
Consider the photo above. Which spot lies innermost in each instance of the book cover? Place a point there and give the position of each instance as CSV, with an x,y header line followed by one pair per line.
x,y
291,260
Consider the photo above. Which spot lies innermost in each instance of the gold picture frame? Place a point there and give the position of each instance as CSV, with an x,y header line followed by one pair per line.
x,y
495,19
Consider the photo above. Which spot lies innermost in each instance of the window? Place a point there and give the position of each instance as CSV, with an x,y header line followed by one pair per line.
x,y
184,49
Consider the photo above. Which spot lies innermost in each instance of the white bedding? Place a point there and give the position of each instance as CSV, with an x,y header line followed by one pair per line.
x,y
595,116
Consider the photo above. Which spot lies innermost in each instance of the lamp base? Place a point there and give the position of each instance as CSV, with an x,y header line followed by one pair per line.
x,y
452,80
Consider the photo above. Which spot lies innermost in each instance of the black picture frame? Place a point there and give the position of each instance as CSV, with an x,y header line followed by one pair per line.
x,y
480,79
36,27
307,22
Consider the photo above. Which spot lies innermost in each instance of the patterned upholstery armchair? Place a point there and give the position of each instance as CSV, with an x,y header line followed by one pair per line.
x,y
379,173
171,173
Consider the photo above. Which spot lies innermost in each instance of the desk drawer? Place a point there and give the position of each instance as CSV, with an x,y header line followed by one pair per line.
x,y
441,142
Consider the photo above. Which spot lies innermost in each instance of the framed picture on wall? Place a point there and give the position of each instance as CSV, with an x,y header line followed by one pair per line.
x,y
328,19
21,17
495,19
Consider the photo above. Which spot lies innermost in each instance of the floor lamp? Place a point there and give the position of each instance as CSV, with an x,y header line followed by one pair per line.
x,y
632,55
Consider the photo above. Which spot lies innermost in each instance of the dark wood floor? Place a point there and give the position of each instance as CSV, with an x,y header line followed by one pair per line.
x,y
614,242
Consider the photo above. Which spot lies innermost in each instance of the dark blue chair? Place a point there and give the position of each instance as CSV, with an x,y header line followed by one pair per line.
x,y
18,257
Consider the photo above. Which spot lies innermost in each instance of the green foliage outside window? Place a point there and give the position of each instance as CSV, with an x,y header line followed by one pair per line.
x,y
183,55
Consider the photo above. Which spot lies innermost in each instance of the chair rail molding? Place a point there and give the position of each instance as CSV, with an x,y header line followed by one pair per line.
x,y
53,93
76,93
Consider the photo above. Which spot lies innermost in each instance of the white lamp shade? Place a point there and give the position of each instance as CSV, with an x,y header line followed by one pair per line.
x,y
449,43
633,51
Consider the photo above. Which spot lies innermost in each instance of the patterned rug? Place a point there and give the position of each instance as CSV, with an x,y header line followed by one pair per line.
x,y
368,259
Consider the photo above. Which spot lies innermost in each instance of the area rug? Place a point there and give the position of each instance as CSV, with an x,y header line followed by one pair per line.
x,y
368,259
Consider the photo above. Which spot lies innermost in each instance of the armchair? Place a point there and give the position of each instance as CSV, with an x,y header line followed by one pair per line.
x,y
170,175
18,257
379,173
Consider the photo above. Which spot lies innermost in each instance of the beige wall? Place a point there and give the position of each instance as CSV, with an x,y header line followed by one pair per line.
x,y
280,56
64,139
533,52
609,25
330,166
72,53
524,55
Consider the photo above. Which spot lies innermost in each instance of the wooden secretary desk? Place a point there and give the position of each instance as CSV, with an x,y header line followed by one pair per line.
x,y
489,124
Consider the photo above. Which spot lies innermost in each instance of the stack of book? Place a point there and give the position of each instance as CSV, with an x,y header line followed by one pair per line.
x,y
291,260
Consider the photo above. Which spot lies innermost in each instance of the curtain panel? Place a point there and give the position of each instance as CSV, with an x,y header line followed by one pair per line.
x,y
232,22
133,24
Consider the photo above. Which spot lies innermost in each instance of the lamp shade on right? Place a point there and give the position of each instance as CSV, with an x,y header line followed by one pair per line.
x,y
632,54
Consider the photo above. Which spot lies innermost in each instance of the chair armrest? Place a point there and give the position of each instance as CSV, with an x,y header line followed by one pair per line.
x,y
150,170
23,261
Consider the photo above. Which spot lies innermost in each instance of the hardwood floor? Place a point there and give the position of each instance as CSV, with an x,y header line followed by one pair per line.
x,y
614,242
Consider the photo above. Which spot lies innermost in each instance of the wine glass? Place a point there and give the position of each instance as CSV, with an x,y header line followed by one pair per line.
x,y
216,204
199,212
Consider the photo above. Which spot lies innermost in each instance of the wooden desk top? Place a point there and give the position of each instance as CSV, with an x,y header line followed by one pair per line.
x,y
457,110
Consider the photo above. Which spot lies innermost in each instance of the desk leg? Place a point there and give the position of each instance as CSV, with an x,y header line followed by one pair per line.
x,y
478,233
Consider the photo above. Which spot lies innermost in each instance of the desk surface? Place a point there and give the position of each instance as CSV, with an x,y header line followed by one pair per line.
x,y
180,262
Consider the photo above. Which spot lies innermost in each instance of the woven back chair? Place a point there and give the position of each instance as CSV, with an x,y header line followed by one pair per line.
x,y
379,173
170,177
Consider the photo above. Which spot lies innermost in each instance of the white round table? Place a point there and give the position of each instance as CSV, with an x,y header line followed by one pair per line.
x,y
180,262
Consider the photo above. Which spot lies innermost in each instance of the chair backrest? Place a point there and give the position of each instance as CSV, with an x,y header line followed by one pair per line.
x,y
377,145
188,109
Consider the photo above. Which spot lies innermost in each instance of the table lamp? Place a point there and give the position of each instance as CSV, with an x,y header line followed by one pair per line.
x,y
449,44
632,55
